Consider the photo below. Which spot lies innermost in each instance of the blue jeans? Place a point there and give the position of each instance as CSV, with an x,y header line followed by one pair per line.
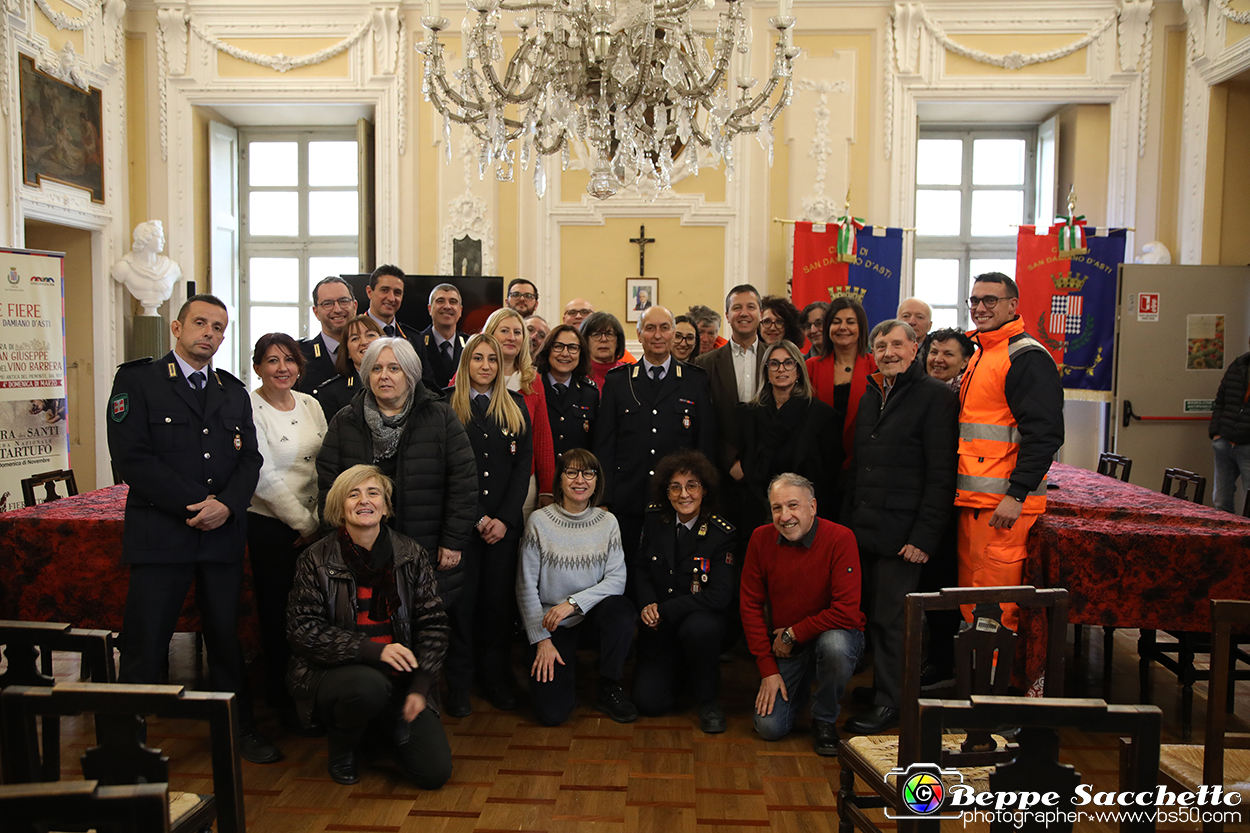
x,y
831,661
1230,461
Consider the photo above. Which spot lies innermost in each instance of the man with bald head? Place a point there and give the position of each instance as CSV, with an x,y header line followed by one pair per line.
x,y
918,314
576,310
648,410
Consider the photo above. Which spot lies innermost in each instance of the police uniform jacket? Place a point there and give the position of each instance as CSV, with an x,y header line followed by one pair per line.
x,y
436,373
641,421
503,467
318,365
173,452
665,571
336,392
572,417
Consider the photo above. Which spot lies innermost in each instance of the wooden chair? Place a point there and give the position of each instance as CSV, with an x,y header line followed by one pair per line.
x,y
1225,757
37,808
48,480
28,647
1114,465
1185,479
983,660
1031,761
120,756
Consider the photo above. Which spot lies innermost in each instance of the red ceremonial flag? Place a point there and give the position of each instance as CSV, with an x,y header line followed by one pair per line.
x,y
816,266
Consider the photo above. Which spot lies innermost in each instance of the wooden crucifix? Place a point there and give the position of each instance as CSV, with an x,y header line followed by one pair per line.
x,y
642,240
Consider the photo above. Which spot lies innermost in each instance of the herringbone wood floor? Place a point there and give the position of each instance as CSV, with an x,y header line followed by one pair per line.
x,y
662,774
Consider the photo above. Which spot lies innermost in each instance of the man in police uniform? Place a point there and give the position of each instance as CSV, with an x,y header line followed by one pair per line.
x,y
334,306
648,410
442,342
180,434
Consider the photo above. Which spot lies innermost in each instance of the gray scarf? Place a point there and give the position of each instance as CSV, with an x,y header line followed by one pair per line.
x,y
386,430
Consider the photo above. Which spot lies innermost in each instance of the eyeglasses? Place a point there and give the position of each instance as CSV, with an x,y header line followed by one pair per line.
x,y
784,364
528,296
559,347
606,335
581,313
585,474
990,301
816,325
772,323
336,302
676,489
685,338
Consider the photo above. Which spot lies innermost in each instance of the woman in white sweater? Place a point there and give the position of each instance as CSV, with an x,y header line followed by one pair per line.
x,y
572,576
282,519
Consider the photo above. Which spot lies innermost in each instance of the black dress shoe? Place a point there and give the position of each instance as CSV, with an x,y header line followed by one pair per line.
x,y
613,702
875,720
825,738
258,749
458,704
711,718
502,698
342,767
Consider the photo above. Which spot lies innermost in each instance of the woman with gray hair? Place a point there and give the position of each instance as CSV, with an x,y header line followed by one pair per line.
x,y
417,441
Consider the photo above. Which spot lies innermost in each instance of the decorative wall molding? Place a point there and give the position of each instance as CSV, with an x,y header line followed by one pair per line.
x,y
1011,60
468,213
65,22
386,31
402,87
818,206
1143,118
1232,14
1133,29
1196,15
281,62
63,65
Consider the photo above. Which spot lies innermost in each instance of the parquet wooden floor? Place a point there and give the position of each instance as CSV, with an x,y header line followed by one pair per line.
x,y
661,774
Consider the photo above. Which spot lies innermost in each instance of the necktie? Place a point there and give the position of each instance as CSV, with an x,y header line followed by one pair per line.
x,y
657,372
480,403
197,380
560,391
446,348
682,532
389,330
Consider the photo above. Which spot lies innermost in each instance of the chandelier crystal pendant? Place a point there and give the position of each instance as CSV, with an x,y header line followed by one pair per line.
x,y
635,80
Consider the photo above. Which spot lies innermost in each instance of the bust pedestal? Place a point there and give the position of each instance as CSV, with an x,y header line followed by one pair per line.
x,y
147,337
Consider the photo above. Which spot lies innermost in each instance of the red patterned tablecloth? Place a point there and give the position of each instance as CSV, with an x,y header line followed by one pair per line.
x,y
61,562
1133,558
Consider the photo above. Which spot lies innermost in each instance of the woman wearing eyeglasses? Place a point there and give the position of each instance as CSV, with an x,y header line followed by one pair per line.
x,y
785,428
563,364
606,338
779,319
683,580
685,339
572,578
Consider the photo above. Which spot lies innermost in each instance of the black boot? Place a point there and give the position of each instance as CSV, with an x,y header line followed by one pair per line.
x,y
342,764
613,702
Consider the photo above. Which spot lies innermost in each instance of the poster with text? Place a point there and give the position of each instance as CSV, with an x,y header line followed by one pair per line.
x,y
34,435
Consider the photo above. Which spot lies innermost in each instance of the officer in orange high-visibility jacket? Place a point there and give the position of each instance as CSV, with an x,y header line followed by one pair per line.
x,y
1010,426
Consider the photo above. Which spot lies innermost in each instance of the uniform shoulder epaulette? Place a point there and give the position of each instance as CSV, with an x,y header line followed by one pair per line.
x,y
625,368
724,525
654,507
227,376
137,362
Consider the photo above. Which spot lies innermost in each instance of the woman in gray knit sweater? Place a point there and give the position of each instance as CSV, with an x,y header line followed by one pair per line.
x,y
572,576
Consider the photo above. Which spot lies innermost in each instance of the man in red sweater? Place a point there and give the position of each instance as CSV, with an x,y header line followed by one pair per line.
x,y
806,570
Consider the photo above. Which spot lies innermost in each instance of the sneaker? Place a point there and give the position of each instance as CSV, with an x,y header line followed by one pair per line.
x,y
612,702
825,738
711,718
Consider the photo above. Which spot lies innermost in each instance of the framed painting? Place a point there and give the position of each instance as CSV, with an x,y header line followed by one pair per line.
x,y
640,294
61,135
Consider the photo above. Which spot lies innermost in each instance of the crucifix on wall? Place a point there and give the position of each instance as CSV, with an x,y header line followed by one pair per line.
x,y
642,240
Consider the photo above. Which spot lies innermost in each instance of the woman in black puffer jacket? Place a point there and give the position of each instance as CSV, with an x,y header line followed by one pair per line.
x,y
417,441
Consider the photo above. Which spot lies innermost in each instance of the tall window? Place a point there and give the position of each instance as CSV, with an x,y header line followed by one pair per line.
x,y
299,219
973,189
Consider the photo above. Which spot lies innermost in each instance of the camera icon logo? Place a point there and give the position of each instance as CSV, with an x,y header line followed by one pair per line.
x,y
923,789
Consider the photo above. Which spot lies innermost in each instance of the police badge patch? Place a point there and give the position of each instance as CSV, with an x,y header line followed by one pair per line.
x,y
119,407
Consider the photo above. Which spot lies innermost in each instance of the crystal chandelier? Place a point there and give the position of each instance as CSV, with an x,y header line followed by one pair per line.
x,y
633,79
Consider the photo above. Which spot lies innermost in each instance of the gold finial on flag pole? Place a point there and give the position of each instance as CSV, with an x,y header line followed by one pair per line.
x,y
1072,200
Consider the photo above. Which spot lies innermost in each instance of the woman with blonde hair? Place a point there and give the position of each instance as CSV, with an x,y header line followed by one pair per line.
x,y
498,426
517,367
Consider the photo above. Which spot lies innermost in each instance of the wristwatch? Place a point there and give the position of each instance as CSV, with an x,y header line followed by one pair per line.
x,y
573,602
787,636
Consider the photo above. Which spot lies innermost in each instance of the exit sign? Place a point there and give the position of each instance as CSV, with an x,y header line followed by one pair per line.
x,y
1199,406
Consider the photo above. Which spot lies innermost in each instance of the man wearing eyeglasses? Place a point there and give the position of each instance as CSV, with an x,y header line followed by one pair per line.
x,y
333,305
1010,427
576,311
522,297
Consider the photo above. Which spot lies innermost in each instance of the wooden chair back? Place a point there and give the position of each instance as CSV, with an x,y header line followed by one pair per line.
x,y
1185,479
1228,617
984,651
1115,465
62,805
1032,760
121,757
48,480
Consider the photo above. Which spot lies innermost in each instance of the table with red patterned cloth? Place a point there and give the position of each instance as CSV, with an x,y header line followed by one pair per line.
x,y
61,562
1131,557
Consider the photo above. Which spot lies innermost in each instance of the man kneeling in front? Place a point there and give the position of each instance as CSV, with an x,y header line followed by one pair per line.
x,y
805,571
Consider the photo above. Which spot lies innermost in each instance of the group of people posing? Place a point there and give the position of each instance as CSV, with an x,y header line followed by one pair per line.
x,y
413,503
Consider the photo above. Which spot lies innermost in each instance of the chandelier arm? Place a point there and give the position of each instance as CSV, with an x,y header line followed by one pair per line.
x,y
742,111
532,90
713,81
440,80
549,149
523,7
492,78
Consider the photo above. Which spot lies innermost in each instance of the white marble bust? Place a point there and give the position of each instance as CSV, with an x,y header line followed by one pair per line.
x,y
148,274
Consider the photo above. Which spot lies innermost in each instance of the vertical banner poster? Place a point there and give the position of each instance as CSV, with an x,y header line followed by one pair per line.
x,y
1069,305
34,435
872,279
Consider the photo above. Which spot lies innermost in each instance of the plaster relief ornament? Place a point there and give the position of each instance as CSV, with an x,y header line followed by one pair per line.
x,y
149,275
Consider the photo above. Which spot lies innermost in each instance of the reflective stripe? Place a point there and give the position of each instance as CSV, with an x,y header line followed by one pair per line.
x,y
987,431
990,485
1024,342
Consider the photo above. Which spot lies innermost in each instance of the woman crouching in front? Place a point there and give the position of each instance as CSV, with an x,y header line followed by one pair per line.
x,y
369,635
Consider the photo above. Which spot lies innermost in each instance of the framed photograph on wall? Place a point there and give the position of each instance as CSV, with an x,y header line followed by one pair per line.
x,y
62,138
640,294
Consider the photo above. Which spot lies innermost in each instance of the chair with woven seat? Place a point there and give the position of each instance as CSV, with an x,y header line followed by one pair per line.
x,y
64,805
121,757
1031,762
48,481
1115,465
1224,758
984,653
